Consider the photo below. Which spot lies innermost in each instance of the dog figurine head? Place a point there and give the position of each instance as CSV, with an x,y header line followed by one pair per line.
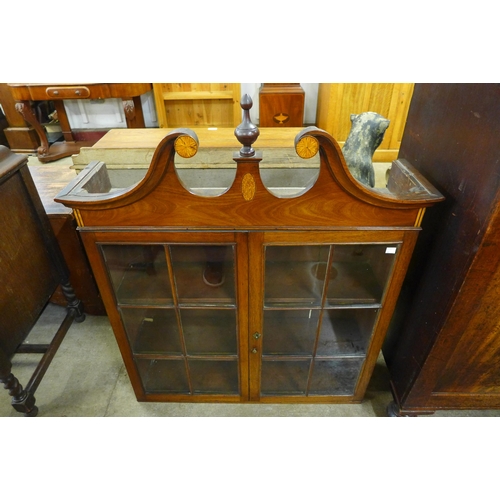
x,y
366,135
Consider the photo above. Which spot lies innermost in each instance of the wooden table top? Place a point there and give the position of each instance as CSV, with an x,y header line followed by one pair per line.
x,y
49,180
149,138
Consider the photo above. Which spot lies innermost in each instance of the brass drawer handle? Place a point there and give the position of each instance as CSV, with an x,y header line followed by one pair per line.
x,y
70,92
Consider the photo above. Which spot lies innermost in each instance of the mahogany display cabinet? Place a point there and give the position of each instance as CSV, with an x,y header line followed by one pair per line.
x,y
249,294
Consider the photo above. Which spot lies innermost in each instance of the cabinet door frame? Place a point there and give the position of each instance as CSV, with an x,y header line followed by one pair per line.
x,y
257,241
92,240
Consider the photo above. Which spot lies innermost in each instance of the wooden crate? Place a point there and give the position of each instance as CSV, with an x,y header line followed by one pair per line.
x,y
197,104
337,101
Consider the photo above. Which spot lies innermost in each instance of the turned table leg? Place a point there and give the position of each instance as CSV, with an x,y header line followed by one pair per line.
x,y
24,109
22,400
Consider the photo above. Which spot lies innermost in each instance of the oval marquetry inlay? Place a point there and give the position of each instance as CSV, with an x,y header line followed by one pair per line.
x,y
185,146
248,187
307,147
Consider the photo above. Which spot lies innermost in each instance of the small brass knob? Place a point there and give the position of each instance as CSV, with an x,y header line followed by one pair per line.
x,y
254,350
256,335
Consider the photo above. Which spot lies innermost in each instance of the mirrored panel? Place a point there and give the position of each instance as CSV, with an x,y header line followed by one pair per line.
x,y
209,331
287,175
346,331
163,375
359,273
151,330
284,377
214,376
138,274
290,331
204,274
291,276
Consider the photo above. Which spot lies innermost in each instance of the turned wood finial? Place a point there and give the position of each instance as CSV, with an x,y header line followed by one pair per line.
x,y
246,132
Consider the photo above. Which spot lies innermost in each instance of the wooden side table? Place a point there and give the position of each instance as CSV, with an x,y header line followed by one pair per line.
x,y
281,105
49,179
23,93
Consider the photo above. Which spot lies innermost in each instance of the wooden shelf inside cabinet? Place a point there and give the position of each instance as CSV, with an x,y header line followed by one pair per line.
x,y
249,294
197,104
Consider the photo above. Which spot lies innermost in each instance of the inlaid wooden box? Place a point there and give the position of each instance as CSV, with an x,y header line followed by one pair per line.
x,y
281,105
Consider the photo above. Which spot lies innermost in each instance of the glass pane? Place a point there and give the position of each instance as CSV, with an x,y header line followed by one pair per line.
x,y
335,377
359,273
292,277
152,330
346,331
281,377
209,331
217,376
290,331
163,375
138,273
204,274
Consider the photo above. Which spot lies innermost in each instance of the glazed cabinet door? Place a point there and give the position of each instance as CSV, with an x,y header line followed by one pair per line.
x,y
319,307
178,306
271,317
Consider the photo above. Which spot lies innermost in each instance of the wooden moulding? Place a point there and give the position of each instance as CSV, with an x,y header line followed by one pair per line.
x,y
333,200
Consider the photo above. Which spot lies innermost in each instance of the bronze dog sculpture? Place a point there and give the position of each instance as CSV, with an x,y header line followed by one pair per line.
x,y
366,135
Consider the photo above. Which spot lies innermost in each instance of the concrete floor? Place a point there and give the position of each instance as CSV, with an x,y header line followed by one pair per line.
x,y
87,378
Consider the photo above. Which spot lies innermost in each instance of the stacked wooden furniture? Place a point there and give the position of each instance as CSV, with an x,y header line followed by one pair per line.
x,y
337,101
197,104
249,295
25,93
443,351
31,269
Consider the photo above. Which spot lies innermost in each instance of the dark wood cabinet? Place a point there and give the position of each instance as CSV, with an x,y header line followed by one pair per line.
x,y
31,268
443,348
249,292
